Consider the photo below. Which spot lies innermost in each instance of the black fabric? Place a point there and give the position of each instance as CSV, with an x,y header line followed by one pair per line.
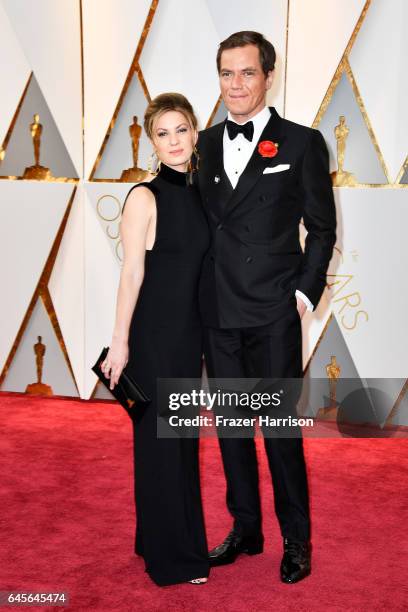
x,y
165,340
247,294
255,262
270,351
247,129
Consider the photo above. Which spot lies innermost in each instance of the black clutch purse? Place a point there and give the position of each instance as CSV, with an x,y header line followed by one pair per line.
x,y
127,392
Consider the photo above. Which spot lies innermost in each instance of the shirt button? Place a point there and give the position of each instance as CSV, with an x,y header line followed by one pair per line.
x,y
236,171
248,259
219,226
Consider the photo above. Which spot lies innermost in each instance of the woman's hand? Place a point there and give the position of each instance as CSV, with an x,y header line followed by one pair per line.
x,y
115,361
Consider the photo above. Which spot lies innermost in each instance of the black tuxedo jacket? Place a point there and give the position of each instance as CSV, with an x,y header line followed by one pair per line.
x,y
255,262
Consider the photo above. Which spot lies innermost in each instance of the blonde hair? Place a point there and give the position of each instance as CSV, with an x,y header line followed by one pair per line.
x,y
165,102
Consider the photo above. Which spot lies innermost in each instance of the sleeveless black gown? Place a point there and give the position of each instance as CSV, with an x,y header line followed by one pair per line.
x,y
165,340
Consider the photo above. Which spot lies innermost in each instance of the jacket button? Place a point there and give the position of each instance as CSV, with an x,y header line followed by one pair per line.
x,y
212,258
219,226
248,259
262,198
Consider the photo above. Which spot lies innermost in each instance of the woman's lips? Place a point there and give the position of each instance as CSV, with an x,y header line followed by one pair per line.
x,y
178,152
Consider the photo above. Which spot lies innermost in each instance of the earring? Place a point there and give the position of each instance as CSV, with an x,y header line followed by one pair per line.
x,y
194,161
151,162
197,158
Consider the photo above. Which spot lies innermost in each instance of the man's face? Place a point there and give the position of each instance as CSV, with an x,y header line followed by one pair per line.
x,y
242,82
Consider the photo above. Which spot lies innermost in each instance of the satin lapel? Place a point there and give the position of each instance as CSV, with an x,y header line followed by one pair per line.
x,y
255,167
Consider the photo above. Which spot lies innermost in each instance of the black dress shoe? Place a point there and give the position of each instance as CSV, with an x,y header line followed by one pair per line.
x,y
233,545
296,562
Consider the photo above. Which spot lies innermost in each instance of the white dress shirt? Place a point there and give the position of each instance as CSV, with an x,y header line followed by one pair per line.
x,y
237,154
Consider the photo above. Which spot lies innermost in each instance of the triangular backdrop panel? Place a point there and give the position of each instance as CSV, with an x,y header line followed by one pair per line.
x,y
332,343
23,372
176,55
378,74
66,287
117,154
382,393
319,32
220,115
34,213
14,73
360,157
20,149
112,31
51,40
401,414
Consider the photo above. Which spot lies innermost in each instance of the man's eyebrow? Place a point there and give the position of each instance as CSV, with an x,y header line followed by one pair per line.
x,y
242,69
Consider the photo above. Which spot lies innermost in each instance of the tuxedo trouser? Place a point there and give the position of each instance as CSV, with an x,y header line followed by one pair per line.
x,y
268,351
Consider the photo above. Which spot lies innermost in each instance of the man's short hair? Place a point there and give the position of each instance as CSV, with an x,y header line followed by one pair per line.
x,y
267,55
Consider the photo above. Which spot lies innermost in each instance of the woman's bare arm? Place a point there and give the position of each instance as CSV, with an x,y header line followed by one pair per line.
x,y
136,232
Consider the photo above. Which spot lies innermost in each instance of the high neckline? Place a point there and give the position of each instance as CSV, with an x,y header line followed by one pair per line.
x,y
173,176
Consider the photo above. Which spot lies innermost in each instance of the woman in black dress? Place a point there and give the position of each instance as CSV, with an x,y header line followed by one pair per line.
x,y
158,333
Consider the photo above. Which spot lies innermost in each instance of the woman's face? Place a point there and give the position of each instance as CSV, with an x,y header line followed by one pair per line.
x,y
174,139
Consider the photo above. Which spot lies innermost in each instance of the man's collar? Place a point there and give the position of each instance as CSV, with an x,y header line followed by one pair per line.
x,y
259,120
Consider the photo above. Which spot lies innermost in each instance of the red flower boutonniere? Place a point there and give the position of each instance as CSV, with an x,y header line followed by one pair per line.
x,y
267,148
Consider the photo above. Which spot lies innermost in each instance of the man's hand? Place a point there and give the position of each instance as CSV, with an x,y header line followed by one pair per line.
x,y
301,306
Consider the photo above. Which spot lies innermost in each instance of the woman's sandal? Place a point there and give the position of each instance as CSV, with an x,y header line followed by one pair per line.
x,y
198,581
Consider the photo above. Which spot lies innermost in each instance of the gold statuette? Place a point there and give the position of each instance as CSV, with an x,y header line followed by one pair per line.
x,y
342,178
37,172
134,174
39,388
333,374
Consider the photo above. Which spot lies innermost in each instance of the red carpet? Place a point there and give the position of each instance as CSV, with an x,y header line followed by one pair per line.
x,y
68,520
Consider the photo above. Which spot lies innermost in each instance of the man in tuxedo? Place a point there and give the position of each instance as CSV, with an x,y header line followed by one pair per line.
x,y
259,175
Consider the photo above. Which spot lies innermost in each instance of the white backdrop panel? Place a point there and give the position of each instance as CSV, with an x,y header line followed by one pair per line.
x,y
14,72
370,300
66,286
102,273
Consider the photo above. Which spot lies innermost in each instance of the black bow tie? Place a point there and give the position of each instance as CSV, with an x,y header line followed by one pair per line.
x,y
247,129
